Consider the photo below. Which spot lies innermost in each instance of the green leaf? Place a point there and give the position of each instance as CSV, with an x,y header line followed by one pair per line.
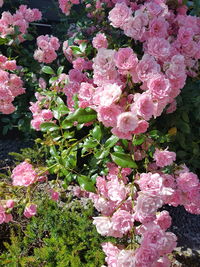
x,y
66,124
3,41
86,183
48,126
48,70
111,141
82,115
102,154
123,160
138,140
96,132
60,70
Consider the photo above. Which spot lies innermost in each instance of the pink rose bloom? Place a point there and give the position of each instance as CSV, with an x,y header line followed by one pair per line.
x,y
126,258
122,222
24,174
159,87
159,48
10,203
145,106
108,115
147,67
111,93
54,195
100,41
111,252
150,183
164,220
101,185
8,217
164,158
145,256
125,59
146,207
30,210
79,63
1,3
185,35
187,181
116,190
158,27
127,122
134,27
103,225
119,15
142,127
106,207
85,95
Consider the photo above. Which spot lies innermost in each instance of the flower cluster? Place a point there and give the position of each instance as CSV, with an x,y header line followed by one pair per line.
x,y
65,5
11,85
21,19
47,45
40,114
121,206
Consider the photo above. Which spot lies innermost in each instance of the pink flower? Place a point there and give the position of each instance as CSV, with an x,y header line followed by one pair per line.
x,y
111,252
159,87
127,122
146,207
103,225
126,258
122,222
158,27
54,195
1,3
110,94
164,220
145,256
159,48
125,59
147,67
100,41
10,203
85,95
24,174
187,181
116,190
30,210
108,115
142,127
119,15
145,106
164,158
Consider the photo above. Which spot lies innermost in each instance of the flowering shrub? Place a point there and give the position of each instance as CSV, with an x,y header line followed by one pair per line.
x,y
99,127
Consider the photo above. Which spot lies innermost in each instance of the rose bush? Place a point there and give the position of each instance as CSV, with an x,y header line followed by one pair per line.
x,y
98,119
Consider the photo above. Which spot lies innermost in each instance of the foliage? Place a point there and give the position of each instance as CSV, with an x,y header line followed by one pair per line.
x,y
57,236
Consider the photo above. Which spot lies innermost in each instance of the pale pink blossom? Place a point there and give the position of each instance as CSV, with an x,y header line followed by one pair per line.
x,y
30,210
119,15
23,174
164,157
127,122
100,41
